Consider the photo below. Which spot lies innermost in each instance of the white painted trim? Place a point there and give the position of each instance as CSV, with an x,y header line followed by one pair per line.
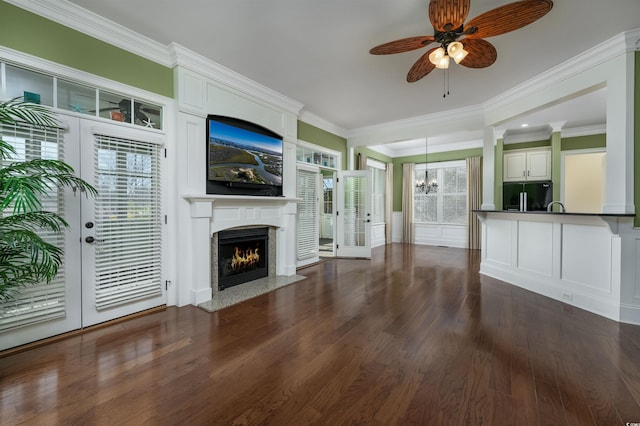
x,y
207,68
599,54
599,129
319,122
527,137
376,164
460,115
94,25
441,165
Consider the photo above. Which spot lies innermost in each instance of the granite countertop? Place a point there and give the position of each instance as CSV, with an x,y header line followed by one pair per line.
x,y
558,213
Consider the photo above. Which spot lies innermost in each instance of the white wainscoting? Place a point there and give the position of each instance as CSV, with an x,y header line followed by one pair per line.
x,y
428,234
396,230
588,261
440,235
378,237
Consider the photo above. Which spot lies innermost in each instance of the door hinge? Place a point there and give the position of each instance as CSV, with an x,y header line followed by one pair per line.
x,y
337,213
337,180
165,219
337,246
166,284
165,153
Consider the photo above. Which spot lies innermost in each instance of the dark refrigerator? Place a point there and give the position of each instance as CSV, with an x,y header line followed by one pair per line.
x,y
526,196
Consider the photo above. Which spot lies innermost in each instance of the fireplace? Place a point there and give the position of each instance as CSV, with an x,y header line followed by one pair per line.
x,y
242,256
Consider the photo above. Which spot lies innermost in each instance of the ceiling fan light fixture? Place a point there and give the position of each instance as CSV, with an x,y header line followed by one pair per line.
x,y
436,56
443,63
456,51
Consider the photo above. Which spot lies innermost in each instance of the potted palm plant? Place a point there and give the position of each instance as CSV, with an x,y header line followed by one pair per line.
x,y
26,258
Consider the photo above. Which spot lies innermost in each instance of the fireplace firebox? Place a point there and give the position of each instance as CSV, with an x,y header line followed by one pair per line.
x,y
242,256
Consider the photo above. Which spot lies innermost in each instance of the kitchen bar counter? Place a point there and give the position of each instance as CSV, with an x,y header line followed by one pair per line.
x,y
583,259
558,213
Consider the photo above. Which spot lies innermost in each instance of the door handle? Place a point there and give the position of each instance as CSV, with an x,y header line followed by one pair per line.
x,y
92,240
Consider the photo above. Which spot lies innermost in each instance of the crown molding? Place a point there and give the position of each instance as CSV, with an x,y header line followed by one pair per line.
x,y
454,116
599,129
601,53
319,122
185,58
432,148
94,25
538,135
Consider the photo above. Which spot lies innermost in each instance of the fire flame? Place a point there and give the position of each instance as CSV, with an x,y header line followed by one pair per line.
x,y
243,259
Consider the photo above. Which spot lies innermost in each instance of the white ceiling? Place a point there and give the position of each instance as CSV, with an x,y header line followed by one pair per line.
x,y
317,51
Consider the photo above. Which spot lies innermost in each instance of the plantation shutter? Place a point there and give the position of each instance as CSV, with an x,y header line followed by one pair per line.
x,y
307,217
127,221
42,302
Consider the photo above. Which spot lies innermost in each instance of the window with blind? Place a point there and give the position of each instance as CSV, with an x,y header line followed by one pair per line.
x,y
307,217
445,202
127,221
42,302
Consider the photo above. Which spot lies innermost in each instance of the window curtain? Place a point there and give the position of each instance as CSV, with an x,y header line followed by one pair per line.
x,y
362,161
474,201
388,204
408,176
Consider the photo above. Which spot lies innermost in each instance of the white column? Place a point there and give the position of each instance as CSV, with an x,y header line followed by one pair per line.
x,y
488,166
200,252
619,167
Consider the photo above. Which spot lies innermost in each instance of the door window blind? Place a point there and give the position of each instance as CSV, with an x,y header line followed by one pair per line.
x,y
127,221
41,302
308,221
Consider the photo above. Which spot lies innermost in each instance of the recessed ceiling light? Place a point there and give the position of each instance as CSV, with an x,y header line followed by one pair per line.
x,y
524,125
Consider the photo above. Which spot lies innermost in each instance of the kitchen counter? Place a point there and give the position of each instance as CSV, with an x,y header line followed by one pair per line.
x,y
582,259
559,213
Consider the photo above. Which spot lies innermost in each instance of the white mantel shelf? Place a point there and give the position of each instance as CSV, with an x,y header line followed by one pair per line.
x,y
192,198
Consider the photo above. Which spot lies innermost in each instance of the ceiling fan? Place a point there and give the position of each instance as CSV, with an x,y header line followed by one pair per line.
x,y
472,51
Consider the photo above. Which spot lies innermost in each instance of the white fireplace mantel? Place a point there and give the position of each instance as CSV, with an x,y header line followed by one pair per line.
x,y
213,213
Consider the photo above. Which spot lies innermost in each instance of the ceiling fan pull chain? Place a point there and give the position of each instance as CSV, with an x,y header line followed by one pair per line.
x,y
444,84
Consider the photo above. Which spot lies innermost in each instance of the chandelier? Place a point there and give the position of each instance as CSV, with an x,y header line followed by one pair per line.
x,y
427,185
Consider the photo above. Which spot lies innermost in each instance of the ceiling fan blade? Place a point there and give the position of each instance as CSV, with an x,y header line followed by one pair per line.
x,y
402,45
508,18
481,53
422,67
447,15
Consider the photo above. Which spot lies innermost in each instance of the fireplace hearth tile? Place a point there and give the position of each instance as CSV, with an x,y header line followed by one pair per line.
x,y
239,293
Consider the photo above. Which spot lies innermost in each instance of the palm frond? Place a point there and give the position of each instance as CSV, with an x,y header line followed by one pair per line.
x,y
33,221
16,110
23,182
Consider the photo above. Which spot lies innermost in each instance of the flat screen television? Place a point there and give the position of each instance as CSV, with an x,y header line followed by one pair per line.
x,y
243,158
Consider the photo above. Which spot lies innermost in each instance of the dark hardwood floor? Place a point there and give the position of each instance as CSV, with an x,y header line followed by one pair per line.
x,y
414,336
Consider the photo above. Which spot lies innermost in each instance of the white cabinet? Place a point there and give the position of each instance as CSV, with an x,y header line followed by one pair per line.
x,y
524,165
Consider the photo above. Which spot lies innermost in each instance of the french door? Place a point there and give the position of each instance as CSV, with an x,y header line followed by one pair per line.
x,y
353,212
112,249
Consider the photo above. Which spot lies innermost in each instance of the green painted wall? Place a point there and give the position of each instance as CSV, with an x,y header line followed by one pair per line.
x,y
317,136
584,142
371,154
432,158
32,34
